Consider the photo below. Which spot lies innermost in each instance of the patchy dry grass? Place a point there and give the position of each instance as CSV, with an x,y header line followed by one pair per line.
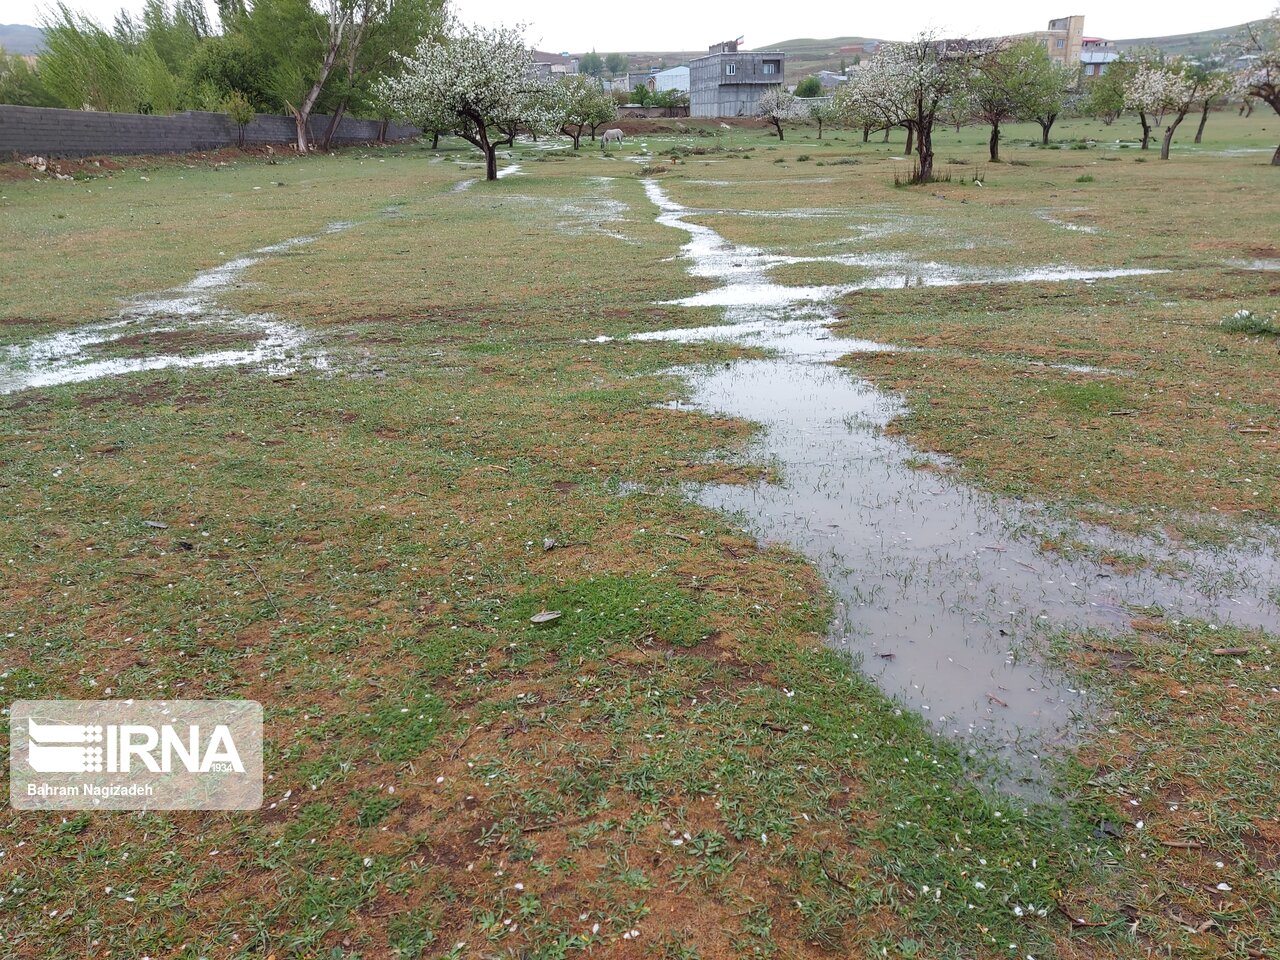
x,y
361,551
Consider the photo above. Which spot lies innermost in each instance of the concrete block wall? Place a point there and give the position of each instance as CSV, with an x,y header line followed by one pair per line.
x,y
51,132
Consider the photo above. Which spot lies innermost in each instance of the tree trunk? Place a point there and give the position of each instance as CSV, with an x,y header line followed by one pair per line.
x,y
1204,118
1046,124
1275,158
886,135
1146,129
778,126
491,162
382,131
300,121
332,129
924,147
911,132
993,144
435,139
1167,142
866,132
819,129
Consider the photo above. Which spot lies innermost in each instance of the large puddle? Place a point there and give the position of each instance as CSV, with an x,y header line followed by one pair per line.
x,y
184,318
942,590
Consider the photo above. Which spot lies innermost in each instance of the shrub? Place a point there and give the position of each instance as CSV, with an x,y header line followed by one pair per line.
x,y
1085,178
1246,321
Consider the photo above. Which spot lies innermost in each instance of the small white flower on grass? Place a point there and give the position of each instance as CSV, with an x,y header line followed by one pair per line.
x,y
1224,887
979,885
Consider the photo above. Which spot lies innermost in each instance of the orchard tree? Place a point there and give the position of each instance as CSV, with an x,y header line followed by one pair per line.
x,y
910,84
778,107
1016,82
1050,93
1174,88
820,112
585,105
1260,79
476,80
1214,84
1105,94
1154,90
852,107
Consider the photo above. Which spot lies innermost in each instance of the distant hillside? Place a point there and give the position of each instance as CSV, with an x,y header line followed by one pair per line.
x,y
1195,45
807,56
19,38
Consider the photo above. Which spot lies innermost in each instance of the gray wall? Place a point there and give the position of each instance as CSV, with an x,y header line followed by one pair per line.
x,y
76,133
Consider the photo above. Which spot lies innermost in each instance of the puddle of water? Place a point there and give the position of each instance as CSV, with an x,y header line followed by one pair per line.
x,y
1254,264
1056,221
937,590
462,186
72,356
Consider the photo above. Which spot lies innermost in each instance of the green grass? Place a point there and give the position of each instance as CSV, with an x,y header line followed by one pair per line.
x,y
362,550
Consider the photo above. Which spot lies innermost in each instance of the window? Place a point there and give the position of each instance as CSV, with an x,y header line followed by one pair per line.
x,y
1061,43
772,66
730,69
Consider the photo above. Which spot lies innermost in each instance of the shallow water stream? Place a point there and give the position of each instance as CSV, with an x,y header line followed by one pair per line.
x,y
192,310
939,587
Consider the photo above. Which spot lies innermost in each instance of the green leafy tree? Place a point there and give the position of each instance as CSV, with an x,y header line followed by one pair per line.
x,y
808,88
1016,82
592,64
585,106
380,30
226,63
85,67
1213,84
616,63
240,111
821,112
20,83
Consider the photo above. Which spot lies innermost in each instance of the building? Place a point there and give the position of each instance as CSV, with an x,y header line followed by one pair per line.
x,y
1064,39
830,79
676,78
728,82
553,64
1096,55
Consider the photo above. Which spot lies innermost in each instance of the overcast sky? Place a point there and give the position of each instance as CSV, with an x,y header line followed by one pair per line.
x,y
579,25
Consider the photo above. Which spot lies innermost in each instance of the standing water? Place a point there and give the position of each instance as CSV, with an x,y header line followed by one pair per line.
x,y
937,592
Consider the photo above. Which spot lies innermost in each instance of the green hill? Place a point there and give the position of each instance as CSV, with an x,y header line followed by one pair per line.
x,y
1194,45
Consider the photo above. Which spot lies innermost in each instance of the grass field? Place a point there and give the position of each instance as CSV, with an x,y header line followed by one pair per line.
x,y
678,766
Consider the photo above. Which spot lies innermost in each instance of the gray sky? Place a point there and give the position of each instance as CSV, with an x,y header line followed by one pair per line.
x,y
579,25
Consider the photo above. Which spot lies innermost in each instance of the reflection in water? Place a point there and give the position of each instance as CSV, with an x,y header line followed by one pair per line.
x,y
937,591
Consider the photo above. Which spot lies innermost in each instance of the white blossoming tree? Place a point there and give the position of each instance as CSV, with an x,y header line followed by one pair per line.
x,y
909,85
585,105
1157,89
1258,47
475,82
779,107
